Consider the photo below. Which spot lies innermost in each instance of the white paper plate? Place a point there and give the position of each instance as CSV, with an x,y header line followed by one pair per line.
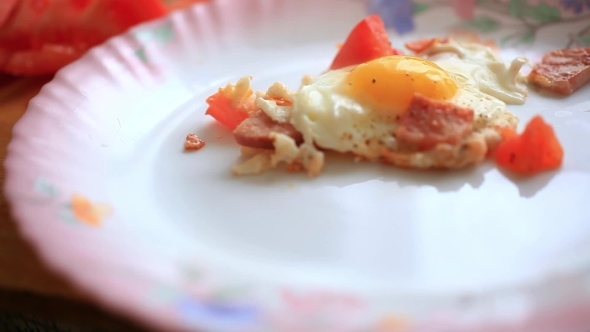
x,y
99,182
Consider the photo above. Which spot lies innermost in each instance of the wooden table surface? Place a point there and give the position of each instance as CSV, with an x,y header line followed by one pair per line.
x,y
32,298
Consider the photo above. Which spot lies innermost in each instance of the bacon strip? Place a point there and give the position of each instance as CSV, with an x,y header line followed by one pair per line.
x,y
255,131
428,122
562,71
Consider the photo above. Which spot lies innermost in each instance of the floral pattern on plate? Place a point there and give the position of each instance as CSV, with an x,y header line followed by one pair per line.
x,y
78,209
525,18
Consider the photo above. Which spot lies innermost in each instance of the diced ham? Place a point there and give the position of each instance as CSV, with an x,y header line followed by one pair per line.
x,y
428,122
562,71
255,131
193,142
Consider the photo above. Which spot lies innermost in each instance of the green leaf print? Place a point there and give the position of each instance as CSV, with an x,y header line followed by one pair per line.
x,y
420,8
482,24
67,215
160,35
544,13
140,53
584,40
517,8
44,187
527,38
164,33
228,293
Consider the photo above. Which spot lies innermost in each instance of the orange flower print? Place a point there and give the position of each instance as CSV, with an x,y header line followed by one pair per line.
x,y
392,323
87,212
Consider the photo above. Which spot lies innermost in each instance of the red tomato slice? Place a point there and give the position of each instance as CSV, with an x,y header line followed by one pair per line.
x,y
536,150
368,40
41,36
51,58
124,13
6,7
223,110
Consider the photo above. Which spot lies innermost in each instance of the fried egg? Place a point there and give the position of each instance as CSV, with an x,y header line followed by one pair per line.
x,y
357,109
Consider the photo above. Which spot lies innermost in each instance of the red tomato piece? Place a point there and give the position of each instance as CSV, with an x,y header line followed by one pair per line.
x,y
223,110
52,57
40,36
368,40
507,133
6,7
125,13
536,150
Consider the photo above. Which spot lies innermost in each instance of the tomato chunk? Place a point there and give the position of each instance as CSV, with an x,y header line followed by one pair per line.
x,y
536,150
233,103
6,7
368,40
38,37
223,110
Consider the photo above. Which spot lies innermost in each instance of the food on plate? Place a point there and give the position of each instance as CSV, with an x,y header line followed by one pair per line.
x,y
38,37
367,41
255,132
537,149
562,71
193,142
420,45
444,106
232,104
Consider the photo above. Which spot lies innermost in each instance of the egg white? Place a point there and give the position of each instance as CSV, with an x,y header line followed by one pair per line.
x,y
335,121
478,66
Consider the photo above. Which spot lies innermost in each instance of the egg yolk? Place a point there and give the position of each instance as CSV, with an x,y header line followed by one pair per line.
x,y
388,84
